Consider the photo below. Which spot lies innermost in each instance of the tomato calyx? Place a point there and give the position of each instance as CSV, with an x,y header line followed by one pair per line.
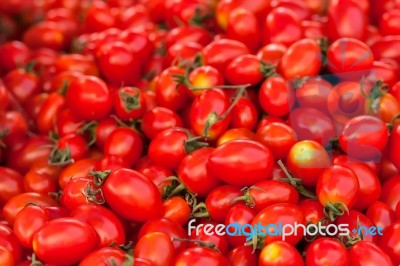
x,y
247,198
127,247
267,70
199,19
349,241
35,261
198,242
378,90
93,195
60,157
299,82
193,144
257,242
175,188
334,210
89,128
297,183
130,102
199,209
99,177
323,45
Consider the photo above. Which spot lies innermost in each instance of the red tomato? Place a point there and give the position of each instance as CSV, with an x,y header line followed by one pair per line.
x,y
199,256
242,215
272,53
11,184
13,54
389,192
64,230
204,77
89,98
243,256
46,34
280,253
129,103
22,84
302,59
219,201
9,243
132,195
241,162
75,170
158,119
236,133
177,209
104,257
389,23
156,247
246,69
327,251
381,214
201,233
313,210
80,191
387,48
363,252
394,145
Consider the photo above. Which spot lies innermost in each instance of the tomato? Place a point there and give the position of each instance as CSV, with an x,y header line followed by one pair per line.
x,y
364,137
219,201
242,256
386,48
339,13
76,169
167,226
9,242
357,220
139,44
220,53
280,253
313,210
276,96
125,143
284,213
289,27
194,175
37,181
388,23
204,77
187,53
77,63
338,184
242,215
312,124
158,119
106,224
327,251
363,252
11,184
28,221
389,107
80,191
381,214
18,202
129,103
389,192
13,127
246,69
89,98
99,18
202,233
169,93
64,230
177,209
185,34
46,34
255,162
307,160
142,201
350,55
13,54
49,111
370,187
104,257
197,256
236,133
22,84
394,142
243,26
302,59
271,53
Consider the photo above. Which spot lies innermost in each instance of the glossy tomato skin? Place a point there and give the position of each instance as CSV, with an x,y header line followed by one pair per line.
x,y
236,133
177,209
22,84
197,256
13,54
314,93
158,119
255,163
285,213
104,256
394,145
193,172
307,159
313,210
73,192
125,143
245,69
28,221
363,252
388,23
328,252
244,114
243,256
338,184
200,233
76,169
242,215
210,101
389,192
280,253
381,214
302,59
364,137
386,48
132,195
356,219
129,103
276,96
167,148
64,230
49,111
156,247
219,201
390,242
10,243
89,98
11,184
107,225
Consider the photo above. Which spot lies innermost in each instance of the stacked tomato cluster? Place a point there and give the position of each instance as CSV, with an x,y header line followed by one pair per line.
x,y
132,130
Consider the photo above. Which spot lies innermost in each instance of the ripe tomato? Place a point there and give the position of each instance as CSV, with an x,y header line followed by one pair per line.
x,y
219,201
280,253
388,24
89,98
272,53
307,160
13,54
132,195
9,242
194,175
236,133
338,184
202,234
158,119
177,209
389,192
80,191
302,59
49,112
198,256
313,210
364,137
40,182
205,77
69,149
75,170
241,162
386,48
328,252
243,256
11,184
357,220
244,114
284,213
276,96
363,252
125,143
394,144
28,221
45,34
64,230
22,84
246,69
242,215
381,214
104,257
129,103
390,242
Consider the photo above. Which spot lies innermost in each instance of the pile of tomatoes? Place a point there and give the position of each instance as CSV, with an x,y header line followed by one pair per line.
x,y
121,121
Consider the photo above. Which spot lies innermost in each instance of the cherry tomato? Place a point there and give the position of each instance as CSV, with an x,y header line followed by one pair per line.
x,y
242,256
327,251
129,103
363,252
389,192
104,257
242,215
280,253
381,214
158,119
197,256
219,201
177,209
13,54
11,184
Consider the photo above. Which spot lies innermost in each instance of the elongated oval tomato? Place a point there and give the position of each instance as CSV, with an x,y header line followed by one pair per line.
x,y
104,257
200,256
364,252
328,251
241,162
156,247
132,195
78,240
